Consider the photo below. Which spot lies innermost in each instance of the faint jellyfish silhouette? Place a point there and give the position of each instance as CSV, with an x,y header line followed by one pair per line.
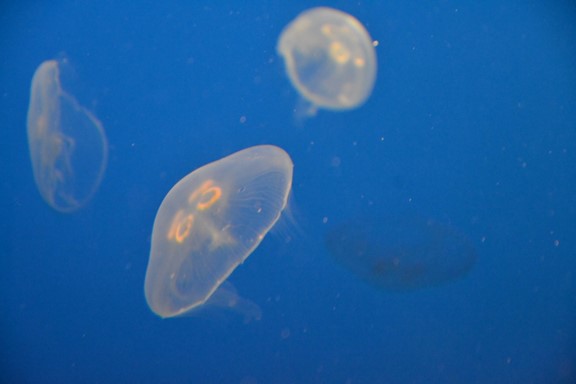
x,y
208,224
68,146
329,58
403,253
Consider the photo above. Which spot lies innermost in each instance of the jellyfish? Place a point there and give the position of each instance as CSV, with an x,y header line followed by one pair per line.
x,y
401,253
329,58
208,224
68,146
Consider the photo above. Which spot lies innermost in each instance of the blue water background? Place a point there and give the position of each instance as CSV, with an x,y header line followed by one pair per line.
x,y
472,122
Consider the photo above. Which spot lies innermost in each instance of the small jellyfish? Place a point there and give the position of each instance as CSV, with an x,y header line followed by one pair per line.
x,y
208,224
329,58
67,143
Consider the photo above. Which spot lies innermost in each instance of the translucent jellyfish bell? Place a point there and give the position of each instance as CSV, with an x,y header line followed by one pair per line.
x,y
209,223
329,58
68,146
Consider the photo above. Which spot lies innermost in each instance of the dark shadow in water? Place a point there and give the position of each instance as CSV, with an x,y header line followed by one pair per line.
x,y
401,253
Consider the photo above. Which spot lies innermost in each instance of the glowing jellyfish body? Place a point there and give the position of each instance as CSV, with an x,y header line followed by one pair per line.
x,y
209,223
68,146
329,58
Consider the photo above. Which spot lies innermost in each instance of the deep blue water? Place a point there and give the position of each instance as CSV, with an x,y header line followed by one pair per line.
x,y
472,123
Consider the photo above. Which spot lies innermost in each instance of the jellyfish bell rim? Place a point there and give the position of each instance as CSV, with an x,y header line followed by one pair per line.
x,y
287,227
